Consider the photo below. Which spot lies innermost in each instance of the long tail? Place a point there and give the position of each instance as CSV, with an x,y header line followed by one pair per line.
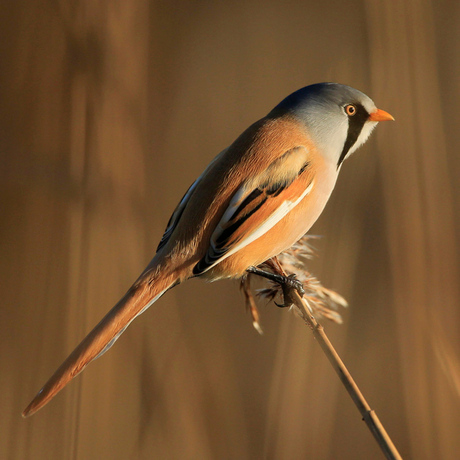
x,y
144,292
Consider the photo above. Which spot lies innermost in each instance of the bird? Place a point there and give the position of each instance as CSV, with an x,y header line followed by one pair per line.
x,y
253,201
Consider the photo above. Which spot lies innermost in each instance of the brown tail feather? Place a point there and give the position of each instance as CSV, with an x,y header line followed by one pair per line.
x,y
139,297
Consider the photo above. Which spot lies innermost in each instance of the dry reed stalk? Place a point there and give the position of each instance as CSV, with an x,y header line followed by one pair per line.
x,y
369,416
323,302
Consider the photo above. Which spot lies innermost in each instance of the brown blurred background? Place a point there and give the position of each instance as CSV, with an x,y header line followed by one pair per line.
x,y
109,110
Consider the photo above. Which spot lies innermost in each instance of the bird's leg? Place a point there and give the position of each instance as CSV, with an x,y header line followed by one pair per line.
x,y
286,282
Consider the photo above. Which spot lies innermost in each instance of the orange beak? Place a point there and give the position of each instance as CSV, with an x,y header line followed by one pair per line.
x,y
380,115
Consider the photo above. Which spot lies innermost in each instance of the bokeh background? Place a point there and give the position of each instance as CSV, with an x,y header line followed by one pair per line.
x,y
109,110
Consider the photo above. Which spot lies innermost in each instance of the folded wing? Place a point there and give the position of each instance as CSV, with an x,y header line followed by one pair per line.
x,y
259,204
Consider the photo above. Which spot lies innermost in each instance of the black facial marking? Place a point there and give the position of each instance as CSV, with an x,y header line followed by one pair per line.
x,y
355,126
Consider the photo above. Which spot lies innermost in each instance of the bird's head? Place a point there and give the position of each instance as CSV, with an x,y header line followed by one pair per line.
x,y
338,118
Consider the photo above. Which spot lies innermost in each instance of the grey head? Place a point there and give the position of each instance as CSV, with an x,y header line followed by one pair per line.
x,y
338,118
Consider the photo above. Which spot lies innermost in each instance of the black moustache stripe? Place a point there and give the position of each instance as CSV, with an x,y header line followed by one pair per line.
x,y
355,126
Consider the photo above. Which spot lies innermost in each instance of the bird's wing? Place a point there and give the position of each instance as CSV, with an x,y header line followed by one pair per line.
x,y
177,214
259,204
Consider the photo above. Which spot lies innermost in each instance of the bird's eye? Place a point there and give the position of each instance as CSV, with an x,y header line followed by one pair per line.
x,y
350,110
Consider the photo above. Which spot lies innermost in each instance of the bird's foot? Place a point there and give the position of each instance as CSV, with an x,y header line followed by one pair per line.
x,y
287,283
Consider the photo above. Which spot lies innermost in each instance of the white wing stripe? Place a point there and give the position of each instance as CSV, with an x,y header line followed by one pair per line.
x,y
280,212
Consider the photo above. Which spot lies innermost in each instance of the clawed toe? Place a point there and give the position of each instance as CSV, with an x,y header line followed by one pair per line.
x,y
292,281
286,282
282,305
